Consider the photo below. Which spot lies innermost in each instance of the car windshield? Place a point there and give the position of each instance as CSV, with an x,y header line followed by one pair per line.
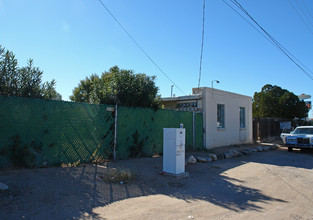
x,y
303,131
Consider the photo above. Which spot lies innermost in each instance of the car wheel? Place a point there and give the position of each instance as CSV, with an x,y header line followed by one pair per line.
x,y
290,149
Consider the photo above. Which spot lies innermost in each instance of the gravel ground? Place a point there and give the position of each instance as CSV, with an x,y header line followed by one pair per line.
x,y
264,185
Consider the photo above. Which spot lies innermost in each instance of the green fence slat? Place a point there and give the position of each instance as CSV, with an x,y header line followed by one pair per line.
x,y
52,132
140,130
37,132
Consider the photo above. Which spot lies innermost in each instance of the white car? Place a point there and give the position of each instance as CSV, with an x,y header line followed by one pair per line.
x,y
301,137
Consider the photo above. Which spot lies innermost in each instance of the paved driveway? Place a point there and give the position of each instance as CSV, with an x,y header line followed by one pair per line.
x,y
269,185
266,185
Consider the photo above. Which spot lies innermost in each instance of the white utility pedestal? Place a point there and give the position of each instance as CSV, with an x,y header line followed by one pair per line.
x,y
174,151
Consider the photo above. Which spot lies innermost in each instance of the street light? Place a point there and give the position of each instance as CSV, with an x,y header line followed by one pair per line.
x,y
214,81
172,90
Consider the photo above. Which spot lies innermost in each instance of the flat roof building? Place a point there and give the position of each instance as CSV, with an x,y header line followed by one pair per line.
x,y
227,116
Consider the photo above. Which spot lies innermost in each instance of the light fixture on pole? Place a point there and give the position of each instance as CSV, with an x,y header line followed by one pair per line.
x,y
172,90
214,81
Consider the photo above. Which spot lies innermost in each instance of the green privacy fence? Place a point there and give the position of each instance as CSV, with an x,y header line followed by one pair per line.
x,y
38,133
140,130
35,132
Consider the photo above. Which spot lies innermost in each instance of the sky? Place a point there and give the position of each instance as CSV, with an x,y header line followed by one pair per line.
x,y
70,40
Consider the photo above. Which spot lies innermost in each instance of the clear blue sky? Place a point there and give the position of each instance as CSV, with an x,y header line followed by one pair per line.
x,y
72,39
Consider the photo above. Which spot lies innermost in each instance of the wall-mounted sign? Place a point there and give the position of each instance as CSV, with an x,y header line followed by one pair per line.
x,y
110,109
285,125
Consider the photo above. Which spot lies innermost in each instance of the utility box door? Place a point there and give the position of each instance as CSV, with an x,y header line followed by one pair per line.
x,y
174,150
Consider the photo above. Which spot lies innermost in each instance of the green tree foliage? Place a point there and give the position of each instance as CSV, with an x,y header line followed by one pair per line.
x,y
118,86
24,81
48,91
273,101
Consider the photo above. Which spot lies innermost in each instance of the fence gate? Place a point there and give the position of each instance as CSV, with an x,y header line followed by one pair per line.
x,y
140,130
264,128
108,143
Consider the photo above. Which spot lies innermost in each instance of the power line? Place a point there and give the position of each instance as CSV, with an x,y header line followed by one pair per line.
x,y
273,40
137,44
303,12
203,19
267,38
302,19
307,8
250,24
277,44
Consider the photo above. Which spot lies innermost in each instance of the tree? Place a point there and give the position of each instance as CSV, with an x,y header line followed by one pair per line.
x,y
118,86
8,72
48,91
24,81
273,101
29,81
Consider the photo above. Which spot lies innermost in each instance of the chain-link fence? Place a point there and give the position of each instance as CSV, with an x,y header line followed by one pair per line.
x,y
36,132
140,130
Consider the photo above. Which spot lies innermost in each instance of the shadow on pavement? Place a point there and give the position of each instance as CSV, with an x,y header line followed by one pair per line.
x,y
71,193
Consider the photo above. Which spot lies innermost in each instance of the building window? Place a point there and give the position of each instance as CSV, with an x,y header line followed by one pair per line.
x,y
220,116
242,115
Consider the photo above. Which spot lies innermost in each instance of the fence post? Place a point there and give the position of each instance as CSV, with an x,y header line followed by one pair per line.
x,y
193,129
115,132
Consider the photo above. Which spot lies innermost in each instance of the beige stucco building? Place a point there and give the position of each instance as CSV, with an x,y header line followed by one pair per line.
x,y
227,117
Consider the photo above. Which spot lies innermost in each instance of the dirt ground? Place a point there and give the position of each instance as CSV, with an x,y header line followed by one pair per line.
x,y
266,185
